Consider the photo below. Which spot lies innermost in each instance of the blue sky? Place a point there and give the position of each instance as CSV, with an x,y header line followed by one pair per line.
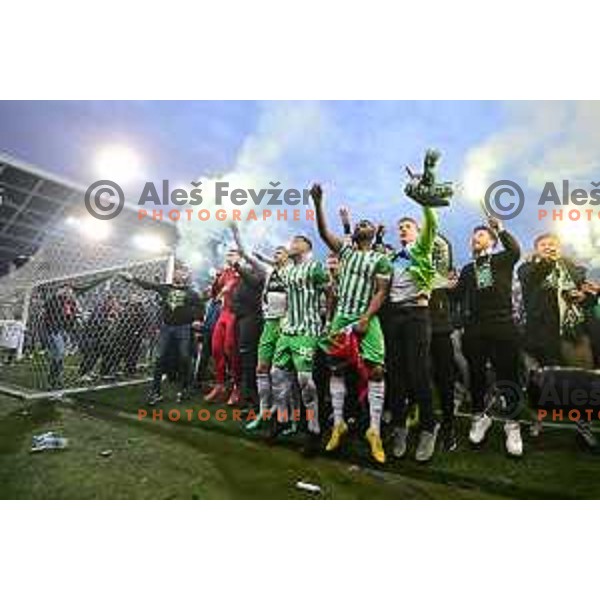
x,y
357,149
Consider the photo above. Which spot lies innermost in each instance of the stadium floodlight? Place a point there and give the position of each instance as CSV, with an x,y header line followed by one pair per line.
x,y
95,229
118,163
149,242
90,227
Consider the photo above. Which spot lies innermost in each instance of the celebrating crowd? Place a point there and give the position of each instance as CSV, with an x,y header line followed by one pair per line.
x,y
380,332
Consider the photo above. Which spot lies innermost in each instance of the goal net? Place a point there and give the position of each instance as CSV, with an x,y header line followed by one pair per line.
x,y
68,321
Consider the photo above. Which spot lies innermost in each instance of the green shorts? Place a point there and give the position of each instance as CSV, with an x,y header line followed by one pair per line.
x,y
372,345
268,340
295,352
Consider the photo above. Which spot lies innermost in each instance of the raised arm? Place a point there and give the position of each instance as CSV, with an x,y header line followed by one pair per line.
x,y
511,248
428,230
256,266
237,238
510,244
346,220
333,242
81,289
146,285
378,244
263,259
253,277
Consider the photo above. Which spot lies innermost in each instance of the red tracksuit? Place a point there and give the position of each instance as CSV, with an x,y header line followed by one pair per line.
x,y
224,342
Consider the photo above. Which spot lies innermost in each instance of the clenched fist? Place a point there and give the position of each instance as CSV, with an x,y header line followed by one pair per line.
x,y
316,193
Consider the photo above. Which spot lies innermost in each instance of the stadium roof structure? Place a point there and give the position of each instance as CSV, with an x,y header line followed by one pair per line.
x,y
35,204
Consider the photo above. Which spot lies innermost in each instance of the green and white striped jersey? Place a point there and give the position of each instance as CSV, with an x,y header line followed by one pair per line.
x,y
359,270
304,283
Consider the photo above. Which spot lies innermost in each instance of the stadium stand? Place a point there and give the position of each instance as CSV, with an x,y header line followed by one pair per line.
x,y
64,312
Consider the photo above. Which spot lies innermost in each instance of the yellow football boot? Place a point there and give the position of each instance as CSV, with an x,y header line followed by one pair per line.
x,y
374,440
337,433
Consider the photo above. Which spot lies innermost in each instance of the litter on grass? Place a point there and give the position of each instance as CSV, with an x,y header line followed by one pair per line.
x,y
308,487
48,441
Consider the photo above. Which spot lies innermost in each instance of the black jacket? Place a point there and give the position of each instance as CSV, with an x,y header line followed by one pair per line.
x,y
247,296
542,315
179,305
490,306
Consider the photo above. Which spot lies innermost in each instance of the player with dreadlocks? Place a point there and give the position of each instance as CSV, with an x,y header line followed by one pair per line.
x,y
362,289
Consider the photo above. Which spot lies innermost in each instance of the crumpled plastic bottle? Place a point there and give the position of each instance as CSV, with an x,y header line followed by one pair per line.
x,y
48,441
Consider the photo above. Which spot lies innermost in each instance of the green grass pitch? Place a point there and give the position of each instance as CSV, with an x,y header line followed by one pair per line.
x,y
218,460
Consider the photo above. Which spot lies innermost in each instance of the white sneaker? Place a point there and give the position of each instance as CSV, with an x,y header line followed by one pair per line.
x,y
426,446
514,443
399,442
479,427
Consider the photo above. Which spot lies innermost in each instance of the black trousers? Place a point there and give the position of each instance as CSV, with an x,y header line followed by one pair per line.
x,y
407,333
543,343
499,345
444,370
593,329
89,345
249,328
96,345
205,356
173,355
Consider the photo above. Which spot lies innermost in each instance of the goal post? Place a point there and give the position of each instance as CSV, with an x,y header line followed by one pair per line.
x,y
69,322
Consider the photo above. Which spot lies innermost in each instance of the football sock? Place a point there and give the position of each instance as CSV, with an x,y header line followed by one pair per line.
x,y
263,383
282,387
376,393
337,389
308,390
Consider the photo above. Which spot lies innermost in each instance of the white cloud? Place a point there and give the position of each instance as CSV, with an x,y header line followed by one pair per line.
x,y
542,141
285,131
